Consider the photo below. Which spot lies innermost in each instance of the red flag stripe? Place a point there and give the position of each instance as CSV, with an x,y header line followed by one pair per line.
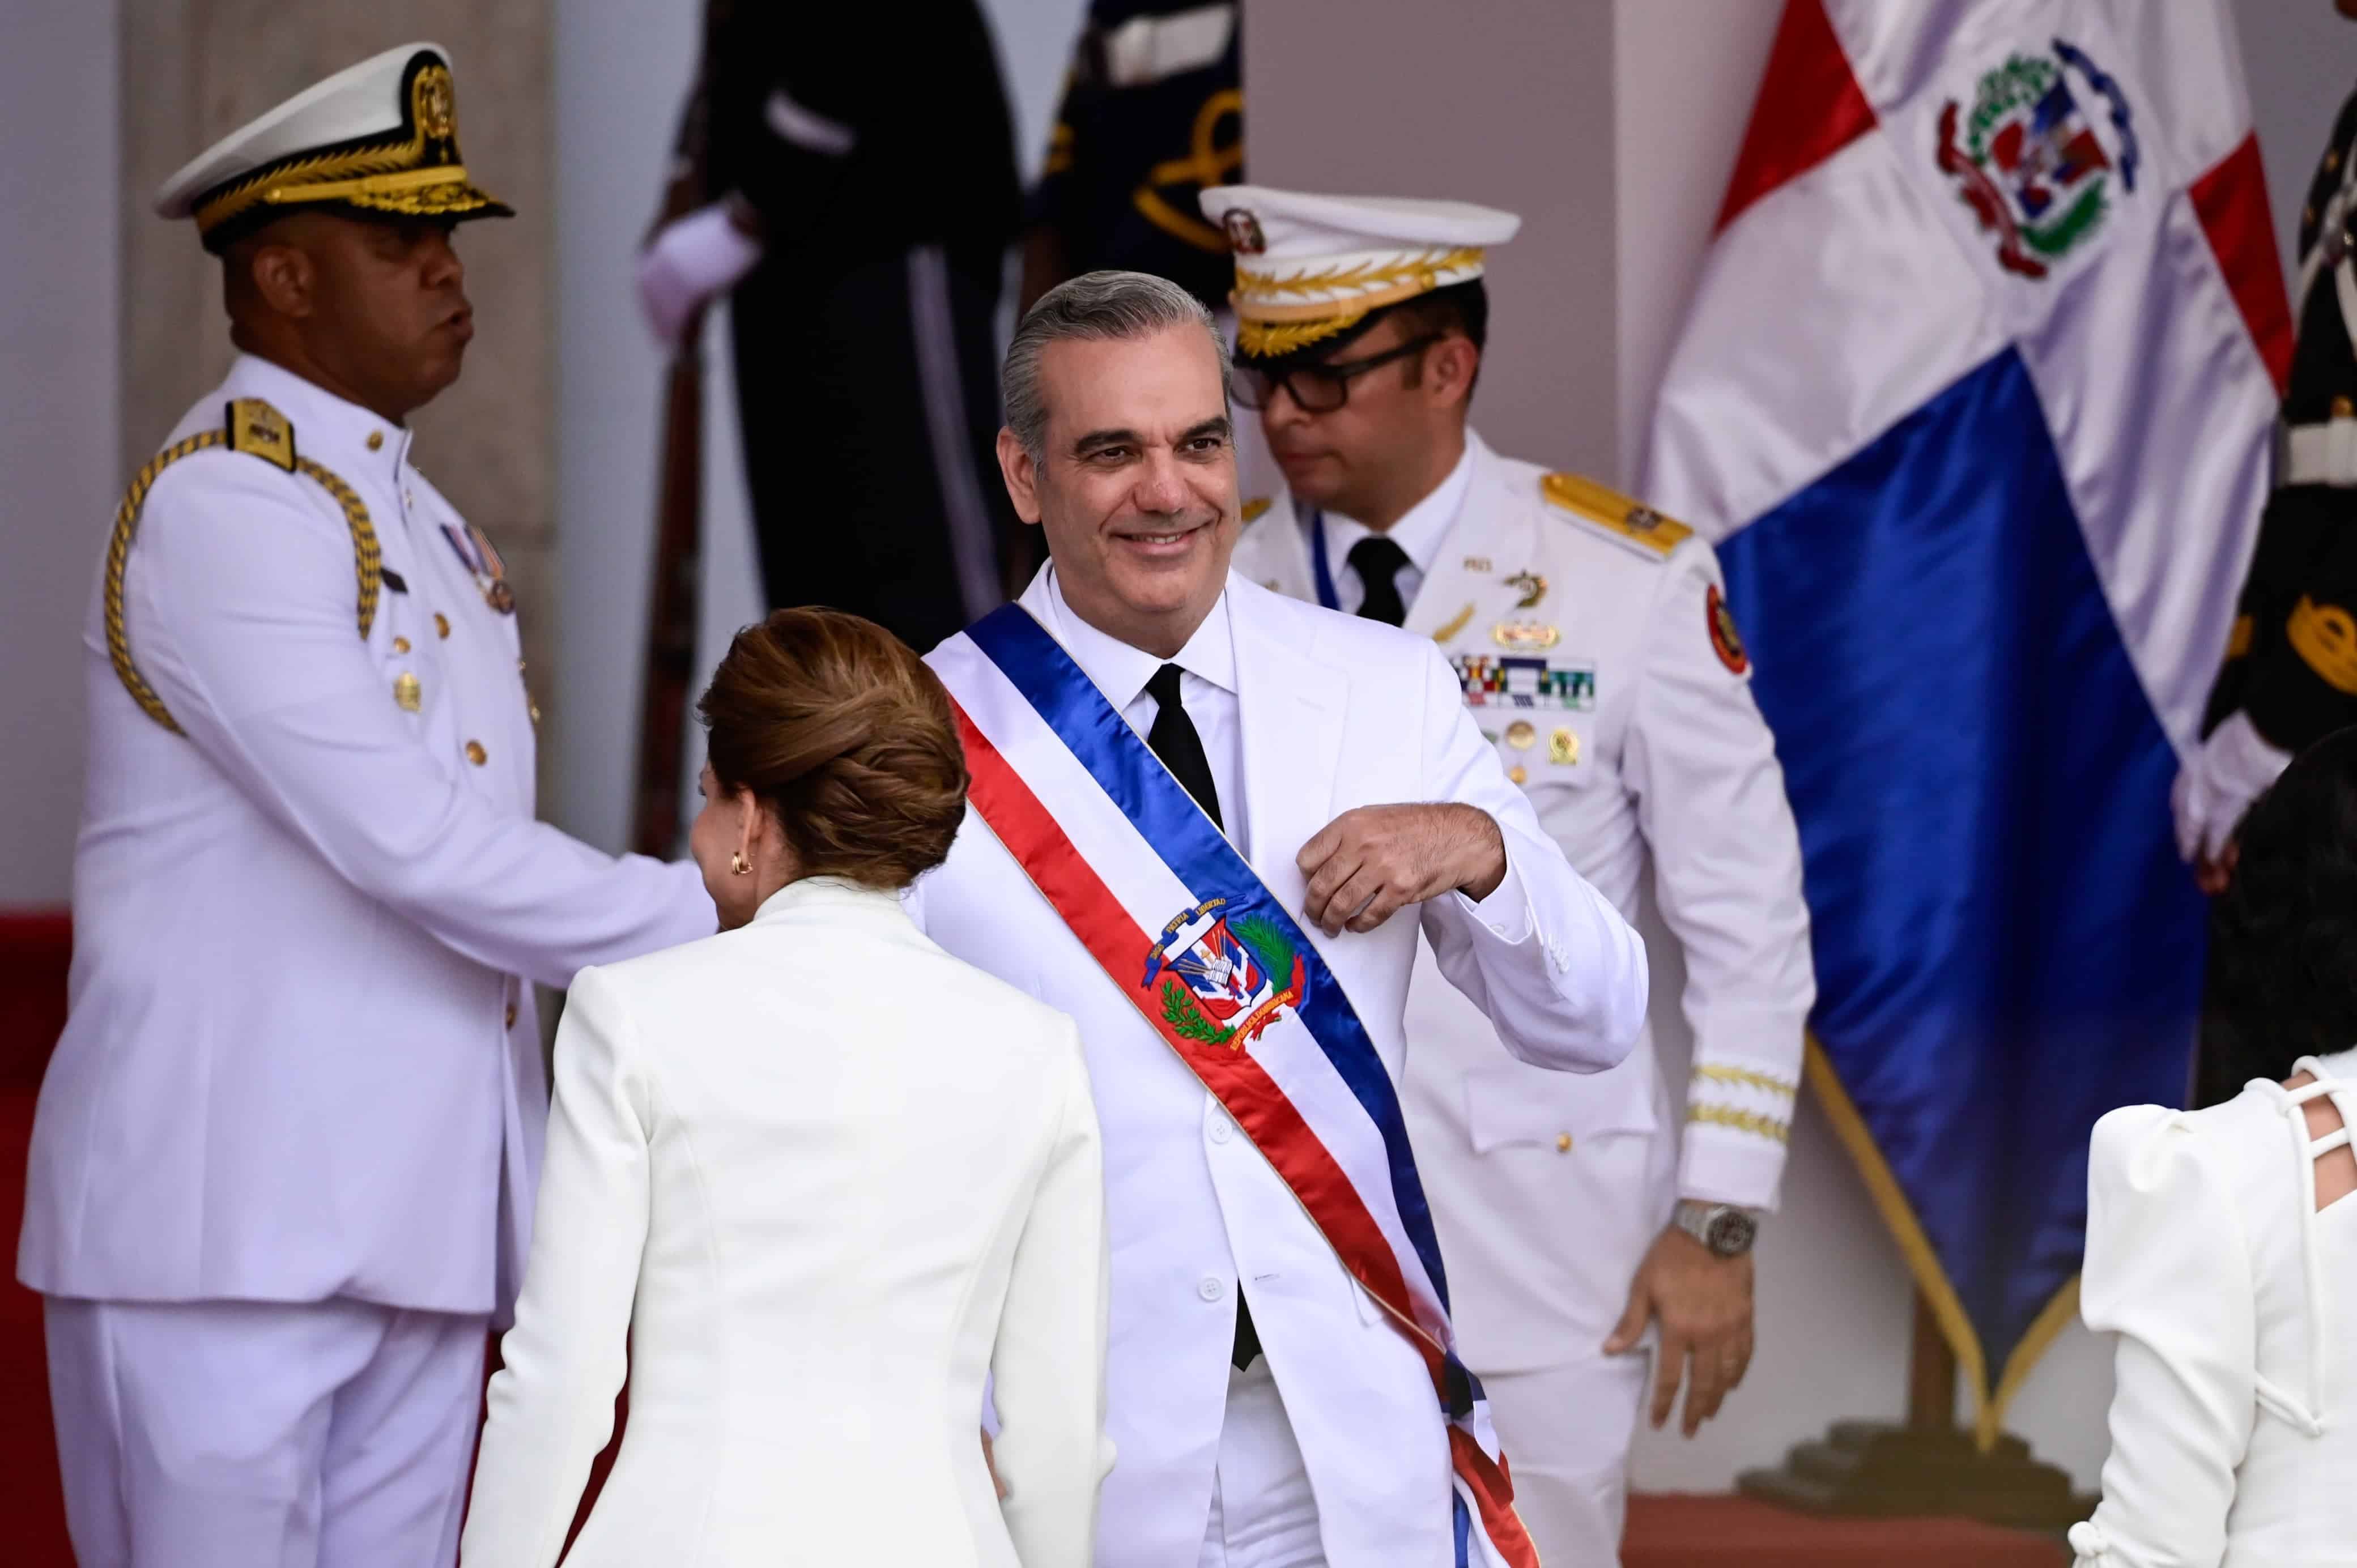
x,y
1810,107
2231,200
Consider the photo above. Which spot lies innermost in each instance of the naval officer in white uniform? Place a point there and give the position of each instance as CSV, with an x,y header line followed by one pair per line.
x,y
1596,652
284,1154
1266,1412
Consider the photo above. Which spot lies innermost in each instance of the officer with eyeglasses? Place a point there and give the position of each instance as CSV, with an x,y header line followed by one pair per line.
x,y
1584,1218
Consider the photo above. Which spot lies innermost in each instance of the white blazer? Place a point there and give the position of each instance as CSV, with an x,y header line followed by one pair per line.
x,y
2233,1416
824,1178
300,1058
1334,713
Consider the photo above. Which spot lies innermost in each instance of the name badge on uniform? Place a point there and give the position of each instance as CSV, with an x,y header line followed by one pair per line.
x,y
1509,681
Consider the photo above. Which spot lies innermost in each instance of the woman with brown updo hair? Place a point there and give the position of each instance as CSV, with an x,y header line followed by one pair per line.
x,y
823,1176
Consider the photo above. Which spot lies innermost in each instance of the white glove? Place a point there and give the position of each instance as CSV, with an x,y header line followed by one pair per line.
x,y
2232,769
690,263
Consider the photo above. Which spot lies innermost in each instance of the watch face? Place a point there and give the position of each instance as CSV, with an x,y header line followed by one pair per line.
x,y
1731,1231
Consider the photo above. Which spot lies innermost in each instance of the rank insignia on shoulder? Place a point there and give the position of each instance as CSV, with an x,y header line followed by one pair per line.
x,y
1254,508
1611,512
257,428
1531,585
1725,640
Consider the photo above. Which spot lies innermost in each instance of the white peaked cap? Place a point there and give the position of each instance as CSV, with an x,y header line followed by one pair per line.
x,y
1310,266
381,136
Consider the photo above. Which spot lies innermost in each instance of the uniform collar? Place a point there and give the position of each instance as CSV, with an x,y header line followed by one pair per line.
x,y
1423,530
1121,671
326,426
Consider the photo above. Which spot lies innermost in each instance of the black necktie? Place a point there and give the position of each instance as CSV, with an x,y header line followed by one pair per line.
x,y
1175,740
1379,562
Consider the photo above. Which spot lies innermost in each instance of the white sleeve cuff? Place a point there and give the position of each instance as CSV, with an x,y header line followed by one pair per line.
x,y
1507,910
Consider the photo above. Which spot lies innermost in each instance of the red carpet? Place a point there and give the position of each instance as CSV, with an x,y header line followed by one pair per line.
x,y
1675,1531
34,951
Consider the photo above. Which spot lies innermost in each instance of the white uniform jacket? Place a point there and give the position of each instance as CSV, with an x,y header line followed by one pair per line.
x,y
300,1059
1627,721
819,1176
1334,713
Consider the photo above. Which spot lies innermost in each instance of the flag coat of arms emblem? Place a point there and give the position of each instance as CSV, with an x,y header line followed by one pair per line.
x,y
1221,987
1976,398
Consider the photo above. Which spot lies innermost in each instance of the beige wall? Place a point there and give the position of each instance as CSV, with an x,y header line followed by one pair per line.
x,y
195,70
1507,103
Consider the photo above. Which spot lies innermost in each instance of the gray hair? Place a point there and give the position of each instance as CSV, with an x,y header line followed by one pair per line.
x,y
1107,306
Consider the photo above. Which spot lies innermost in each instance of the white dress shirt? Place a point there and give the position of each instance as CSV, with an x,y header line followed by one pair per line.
x,y
1421,532
1207,689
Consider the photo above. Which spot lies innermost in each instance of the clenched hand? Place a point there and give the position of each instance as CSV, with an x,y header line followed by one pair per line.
x,y
1372,861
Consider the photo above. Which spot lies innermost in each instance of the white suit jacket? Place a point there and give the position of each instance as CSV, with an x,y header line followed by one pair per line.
x,y
1652,747
823,1176
1335,713
300,1058
2233,1417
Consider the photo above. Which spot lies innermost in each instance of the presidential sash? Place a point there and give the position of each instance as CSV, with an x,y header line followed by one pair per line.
x,y
1224,974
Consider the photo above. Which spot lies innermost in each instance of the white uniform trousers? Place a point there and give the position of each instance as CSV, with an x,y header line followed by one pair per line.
x,y
263,1434
1567,1432
1263,1514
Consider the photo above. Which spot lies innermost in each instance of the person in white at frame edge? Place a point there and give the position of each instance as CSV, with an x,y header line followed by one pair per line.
x,y
1595,651
1266,1410
284,1160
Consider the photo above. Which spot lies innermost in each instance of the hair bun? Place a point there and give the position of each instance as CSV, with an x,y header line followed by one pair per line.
x,y
841,731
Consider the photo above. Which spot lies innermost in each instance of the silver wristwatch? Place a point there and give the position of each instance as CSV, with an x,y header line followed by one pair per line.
x,y
1728,1230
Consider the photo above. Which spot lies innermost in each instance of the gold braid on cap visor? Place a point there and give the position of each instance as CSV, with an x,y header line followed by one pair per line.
x,y
388,177
1269,324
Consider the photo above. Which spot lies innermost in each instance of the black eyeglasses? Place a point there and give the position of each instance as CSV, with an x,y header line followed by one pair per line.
x,y
1318,389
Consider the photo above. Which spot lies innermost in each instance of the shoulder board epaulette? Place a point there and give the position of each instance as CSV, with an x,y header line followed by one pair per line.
x,y
1254,508
261,431
1633,522
254,427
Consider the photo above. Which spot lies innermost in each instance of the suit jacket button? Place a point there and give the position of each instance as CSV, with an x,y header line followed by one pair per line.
x,y
476,754
1212,1288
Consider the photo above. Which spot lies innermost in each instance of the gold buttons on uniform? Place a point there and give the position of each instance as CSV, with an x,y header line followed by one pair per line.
x,y
441,624
406,692
401,645
376,440
2342,408
511,1014
1522,734
1562,1144
1519,774
533,709
476,754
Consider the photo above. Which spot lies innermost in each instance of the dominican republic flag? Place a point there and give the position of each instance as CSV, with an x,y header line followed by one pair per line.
x,y
1974,398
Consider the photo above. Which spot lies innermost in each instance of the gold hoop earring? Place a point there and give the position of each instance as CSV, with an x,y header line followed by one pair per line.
x,y
738,865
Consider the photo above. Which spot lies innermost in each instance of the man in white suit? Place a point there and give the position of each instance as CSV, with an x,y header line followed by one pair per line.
x,y
1265,1410
1596,652
284,1160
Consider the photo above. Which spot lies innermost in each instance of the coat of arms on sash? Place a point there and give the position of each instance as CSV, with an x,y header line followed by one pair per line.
x,y
2028,161
1223,984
